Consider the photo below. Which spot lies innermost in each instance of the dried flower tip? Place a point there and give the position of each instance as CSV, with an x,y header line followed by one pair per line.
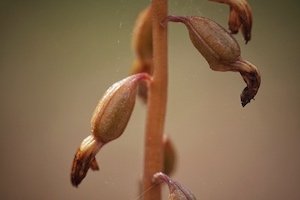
x,y
113,111
240,16
252,78
177,191
169,156
85,159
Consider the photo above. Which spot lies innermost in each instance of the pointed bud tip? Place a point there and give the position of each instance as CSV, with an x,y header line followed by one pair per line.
x,y
247,96
85,159
75,181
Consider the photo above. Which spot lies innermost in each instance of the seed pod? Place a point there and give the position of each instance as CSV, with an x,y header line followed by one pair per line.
x,y
113,111
142,66
177,192
169,156
142,35
221,51
143,47
108,122
211,40
240,16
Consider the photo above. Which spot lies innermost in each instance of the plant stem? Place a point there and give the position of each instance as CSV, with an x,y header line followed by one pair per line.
x,y
157,100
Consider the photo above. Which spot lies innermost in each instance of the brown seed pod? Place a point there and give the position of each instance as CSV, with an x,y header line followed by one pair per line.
x,y
143,46
170,156
108,122
221,51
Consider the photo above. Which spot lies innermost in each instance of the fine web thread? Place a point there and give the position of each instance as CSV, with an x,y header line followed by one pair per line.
x,y
138,197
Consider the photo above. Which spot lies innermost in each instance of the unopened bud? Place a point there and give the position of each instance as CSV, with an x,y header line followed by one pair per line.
x,y
212,41
113,111
170,156
108,122
142,35
142,66
142,43
221,51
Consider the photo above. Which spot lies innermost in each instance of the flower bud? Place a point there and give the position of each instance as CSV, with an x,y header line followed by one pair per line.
x,y
221,51
177,192
108,122
143,47
142,35
169,156
142,66
211,40
113,111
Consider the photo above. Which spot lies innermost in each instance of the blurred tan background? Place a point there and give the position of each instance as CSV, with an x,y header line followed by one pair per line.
x,y
57,58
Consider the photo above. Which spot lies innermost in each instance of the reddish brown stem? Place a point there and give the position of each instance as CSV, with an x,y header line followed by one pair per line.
x,y
157,99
